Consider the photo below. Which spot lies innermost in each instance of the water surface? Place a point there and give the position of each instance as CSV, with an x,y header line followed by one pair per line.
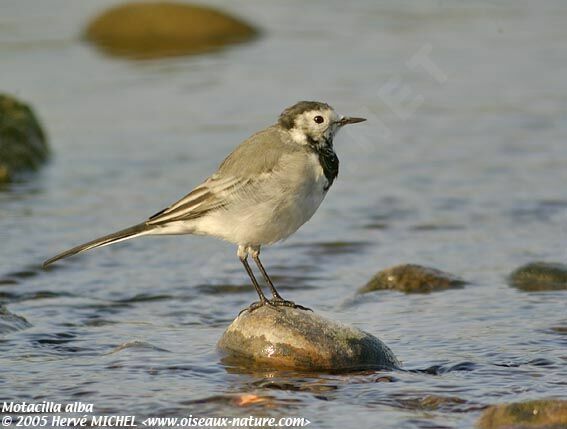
x,y
471,181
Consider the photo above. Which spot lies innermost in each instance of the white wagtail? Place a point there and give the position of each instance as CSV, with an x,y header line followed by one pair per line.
x,y
262,193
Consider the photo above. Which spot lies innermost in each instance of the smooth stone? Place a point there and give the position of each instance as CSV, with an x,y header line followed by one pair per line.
x,y
412,278
536,414
538,276
23,145
289,338
164,29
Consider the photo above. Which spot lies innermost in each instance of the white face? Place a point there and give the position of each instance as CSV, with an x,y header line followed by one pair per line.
x,y
318,125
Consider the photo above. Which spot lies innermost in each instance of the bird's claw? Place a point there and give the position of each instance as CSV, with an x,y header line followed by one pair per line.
x,y
274,303
278,302
254,306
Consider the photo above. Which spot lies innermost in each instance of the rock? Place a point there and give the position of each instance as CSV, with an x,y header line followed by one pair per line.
x,y
288,338
23,145
537,276
431,402
412,278
540,414
10,322
163,29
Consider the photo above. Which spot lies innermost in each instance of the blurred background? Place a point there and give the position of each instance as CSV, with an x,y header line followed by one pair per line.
x,y
460,166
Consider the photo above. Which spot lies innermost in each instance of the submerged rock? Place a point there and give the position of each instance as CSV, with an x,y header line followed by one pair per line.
x,y
537,276
10,322
540,414
433,402
23,145
412,278
162,29
288,338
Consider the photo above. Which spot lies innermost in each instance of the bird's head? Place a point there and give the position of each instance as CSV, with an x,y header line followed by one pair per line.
x,y
313,122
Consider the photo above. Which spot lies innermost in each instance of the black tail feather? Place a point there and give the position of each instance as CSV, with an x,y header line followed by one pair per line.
x,y
124,234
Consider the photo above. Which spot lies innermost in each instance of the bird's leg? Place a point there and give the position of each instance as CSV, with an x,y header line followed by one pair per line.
x,y
256,256
243,256
276,300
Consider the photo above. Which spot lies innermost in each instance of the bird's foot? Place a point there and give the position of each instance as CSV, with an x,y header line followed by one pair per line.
x,y
280,302
274,303
254,306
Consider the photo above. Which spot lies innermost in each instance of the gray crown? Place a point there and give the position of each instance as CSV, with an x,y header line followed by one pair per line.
x,y
287,118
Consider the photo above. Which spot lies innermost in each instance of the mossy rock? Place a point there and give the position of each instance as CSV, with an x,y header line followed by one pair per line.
x,y
23,145
164,29
537,414
288,338
411,278
539,276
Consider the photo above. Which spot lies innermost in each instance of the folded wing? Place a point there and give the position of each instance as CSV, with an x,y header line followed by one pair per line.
x,y
215,193
237,178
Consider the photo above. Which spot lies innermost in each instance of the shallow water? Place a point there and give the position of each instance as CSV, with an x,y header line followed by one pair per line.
x,y
470,181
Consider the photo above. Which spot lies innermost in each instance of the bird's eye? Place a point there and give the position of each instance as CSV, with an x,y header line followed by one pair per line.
x,y
319,119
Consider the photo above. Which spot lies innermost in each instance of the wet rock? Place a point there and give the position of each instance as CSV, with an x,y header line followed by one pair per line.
x,y
540,414
10,322
451,404
162,29
538,276
23,145
412,278
561,330
287,338
136,346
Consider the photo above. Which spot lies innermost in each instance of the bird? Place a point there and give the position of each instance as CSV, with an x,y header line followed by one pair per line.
x,y
262,193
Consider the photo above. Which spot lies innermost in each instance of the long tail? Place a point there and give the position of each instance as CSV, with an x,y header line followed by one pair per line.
x,y
122,235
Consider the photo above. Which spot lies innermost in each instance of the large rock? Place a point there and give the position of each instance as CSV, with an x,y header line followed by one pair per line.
x,y
538,276
540,414
23,145
154,30
412,278
298,339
